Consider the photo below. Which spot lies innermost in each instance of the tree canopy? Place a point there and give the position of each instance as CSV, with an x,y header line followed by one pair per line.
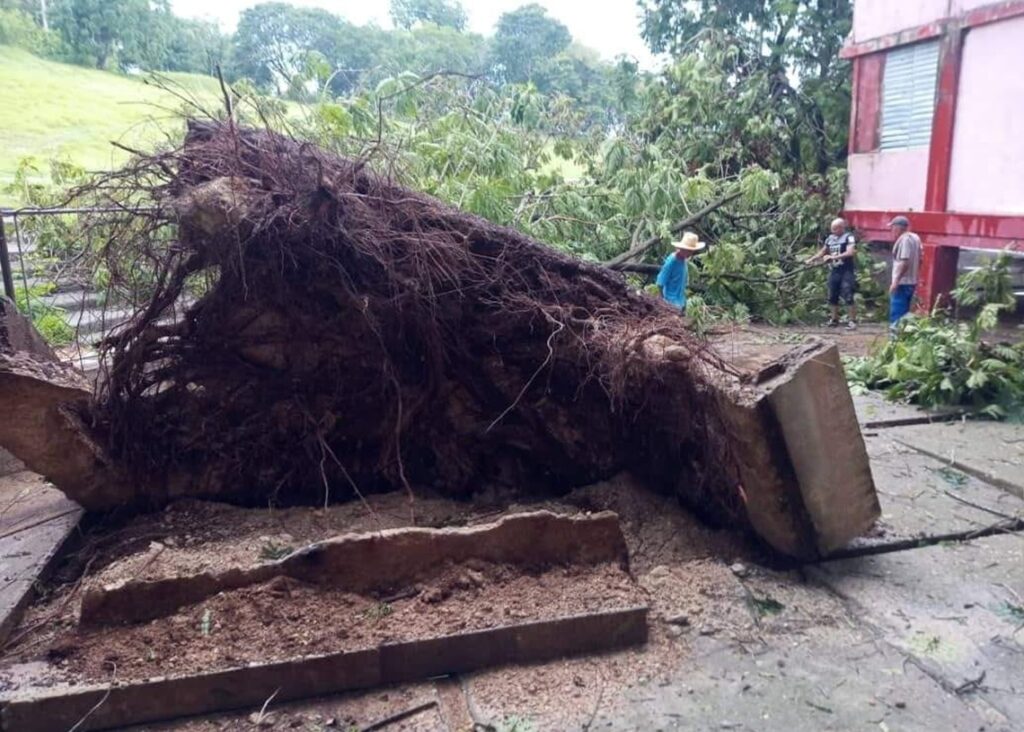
x,y
789,49
445,13
525,40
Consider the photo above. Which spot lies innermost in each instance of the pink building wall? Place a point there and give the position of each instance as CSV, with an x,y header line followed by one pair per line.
x,y
874,18
987,173
888,180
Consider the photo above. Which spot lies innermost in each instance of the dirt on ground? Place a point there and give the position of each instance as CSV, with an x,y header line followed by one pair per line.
x,y
284,619
697,581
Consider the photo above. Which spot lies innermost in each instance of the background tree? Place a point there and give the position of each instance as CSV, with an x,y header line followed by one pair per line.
x,y
195,46
98,31
273,40
445,13
524,40
790,47
428,49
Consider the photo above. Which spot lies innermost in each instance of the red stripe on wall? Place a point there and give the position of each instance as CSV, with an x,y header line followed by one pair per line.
x,y
867,115
940,157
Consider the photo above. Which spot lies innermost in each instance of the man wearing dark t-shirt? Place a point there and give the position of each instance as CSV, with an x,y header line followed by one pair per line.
x,y
839,252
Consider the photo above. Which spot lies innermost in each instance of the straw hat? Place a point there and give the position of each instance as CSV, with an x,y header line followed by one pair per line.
x,y
690,243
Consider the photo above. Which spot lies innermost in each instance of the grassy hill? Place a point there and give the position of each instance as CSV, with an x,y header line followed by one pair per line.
x,y
50,109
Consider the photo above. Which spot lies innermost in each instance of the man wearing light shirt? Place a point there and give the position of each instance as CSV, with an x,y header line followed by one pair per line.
x,y
906,263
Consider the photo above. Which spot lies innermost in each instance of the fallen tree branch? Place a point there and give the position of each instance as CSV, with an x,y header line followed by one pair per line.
x,y
978,506
399,716
639,268
616,262
1002,527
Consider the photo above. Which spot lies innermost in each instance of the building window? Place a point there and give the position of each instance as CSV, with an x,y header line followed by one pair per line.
x,y
908,95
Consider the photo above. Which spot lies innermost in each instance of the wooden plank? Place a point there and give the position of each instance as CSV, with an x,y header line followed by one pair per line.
x,y
121,705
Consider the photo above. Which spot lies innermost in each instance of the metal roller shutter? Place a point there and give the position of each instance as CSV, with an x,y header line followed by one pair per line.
x,y
908,95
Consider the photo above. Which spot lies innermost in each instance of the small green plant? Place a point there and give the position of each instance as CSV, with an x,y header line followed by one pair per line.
x,y
273,551
50,321
1011,612
206,624
953,477
376,613
767,605
515,724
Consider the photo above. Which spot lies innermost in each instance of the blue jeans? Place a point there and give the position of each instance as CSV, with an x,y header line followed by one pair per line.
x,y
899,303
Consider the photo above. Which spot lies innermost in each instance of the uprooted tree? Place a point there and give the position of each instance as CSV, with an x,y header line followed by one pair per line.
x,y
307,331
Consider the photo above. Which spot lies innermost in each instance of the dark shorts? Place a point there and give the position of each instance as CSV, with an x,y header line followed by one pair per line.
x,y
842,284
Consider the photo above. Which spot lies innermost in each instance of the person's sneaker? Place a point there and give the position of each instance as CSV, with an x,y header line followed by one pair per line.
x,y
833,323
852,325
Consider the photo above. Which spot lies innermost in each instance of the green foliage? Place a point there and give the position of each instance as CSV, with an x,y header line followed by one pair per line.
x,y
273,39
272,551
1010,612
937,361
18,28
444,13
50,321
766,605
376,613
103,33
515,723
524,40
781,58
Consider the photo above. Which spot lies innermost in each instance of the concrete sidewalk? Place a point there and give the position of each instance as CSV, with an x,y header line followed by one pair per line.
x,y
929,639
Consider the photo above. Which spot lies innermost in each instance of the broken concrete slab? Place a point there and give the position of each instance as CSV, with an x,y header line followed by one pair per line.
x,y
792,485
49,435
35,524
116,706
991,451
383,561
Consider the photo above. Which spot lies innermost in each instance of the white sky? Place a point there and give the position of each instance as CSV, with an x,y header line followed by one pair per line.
x,y
610,27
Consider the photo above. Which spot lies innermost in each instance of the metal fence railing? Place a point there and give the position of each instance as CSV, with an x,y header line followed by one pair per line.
x,y
53,288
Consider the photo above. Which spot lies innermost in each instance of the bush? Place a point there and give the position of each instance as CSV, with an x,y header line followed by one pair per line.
x,y
50,321
18,29
936,361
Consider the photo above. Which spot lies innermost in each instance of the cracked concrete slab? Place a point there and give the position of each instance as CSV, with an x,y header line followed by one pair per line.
x,y
874,411
922,495
852,682
953,611
991,451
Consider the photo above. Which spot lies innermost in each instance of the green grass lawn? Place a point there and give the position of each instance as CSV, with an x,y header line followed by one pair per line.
x,y
53,110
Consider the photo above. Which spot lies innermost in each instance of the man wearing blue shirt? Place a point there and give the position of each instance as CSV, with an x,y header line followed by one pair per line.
x,y
674,275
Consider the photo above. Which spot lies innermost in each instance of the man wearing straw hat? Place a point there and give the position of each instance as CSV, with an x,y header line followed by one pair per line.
x,y
674,275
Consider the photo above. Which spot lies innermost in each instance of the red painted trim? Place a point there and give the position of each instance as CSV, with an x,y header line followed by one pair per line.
x,y
976,231
855,102
940,157
971,19
866,116
937,276
892,40
992,13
